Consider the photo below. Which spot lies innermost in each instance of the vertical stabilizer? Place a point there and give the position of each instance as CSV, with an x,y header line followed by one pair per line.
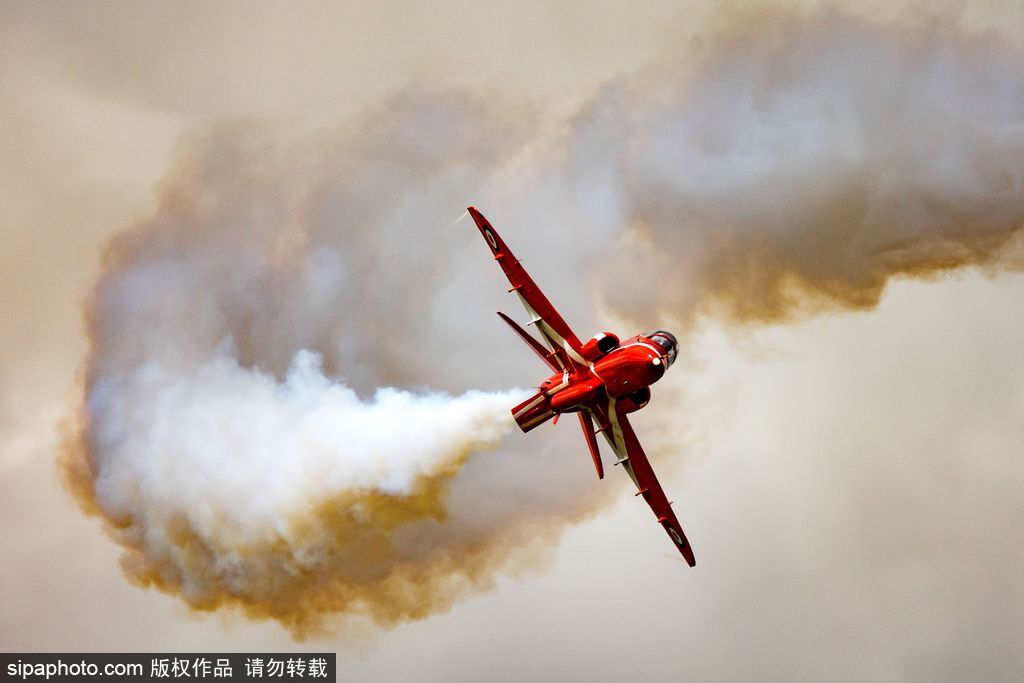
x,y
588,433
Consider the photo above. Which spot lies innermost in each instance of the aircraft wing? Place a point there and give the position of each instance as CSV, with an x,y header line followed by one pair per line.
x,y
631,457
565,347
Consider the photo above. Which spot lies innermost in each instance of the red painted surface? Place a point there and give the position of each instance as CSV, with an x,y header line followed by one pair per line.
x,y
603,380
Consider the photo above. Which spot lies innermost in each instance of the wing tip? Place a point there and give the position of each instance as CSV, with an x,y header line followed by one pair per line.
x,y
478,217
687,552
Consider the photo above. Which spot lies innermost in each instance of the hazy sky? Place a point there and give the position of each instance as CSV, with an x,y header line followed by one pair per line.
x,y
851,483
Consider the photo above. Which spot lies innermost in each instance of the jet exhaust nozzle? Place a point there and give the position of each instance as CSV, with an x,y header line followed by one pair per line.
x,y
533,412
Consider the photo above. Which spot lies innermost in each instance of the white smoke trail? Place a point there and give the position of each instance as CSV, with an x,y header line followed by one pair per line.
x,y
790,169
242,458
230,465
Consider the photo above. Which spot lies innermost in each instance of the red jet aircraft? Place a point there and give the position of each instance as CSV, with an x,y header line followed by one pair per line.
x,y
601,380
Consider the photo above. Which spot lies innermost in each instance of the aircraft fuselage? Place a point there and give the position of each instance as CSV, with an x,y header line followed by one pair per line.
x,y
624,374
601,381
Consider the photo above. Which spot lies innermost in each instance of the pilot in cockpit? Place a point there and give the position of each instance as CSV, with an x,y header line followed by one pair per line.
x,y
667,341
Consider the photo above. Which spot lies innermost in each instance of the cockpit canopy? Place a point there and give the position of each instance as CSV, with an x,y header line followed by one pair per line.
x,y
667,341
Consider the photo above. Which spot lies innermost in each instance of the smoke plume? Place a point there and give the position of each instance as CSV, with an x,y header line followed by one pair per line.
x,y
233,432
802,162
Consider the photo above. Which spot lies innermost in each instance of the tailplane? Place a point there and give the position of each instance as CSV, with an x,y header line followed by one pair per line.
x,y
530,341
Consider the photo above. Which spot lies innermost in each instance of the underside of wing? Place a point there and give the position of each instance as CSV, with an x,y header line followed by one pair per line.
x,y
564,344
631,457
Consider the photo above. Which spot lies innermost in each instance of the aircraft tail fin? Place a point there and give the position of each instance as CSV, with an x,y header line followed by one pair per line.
x,y
587,423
